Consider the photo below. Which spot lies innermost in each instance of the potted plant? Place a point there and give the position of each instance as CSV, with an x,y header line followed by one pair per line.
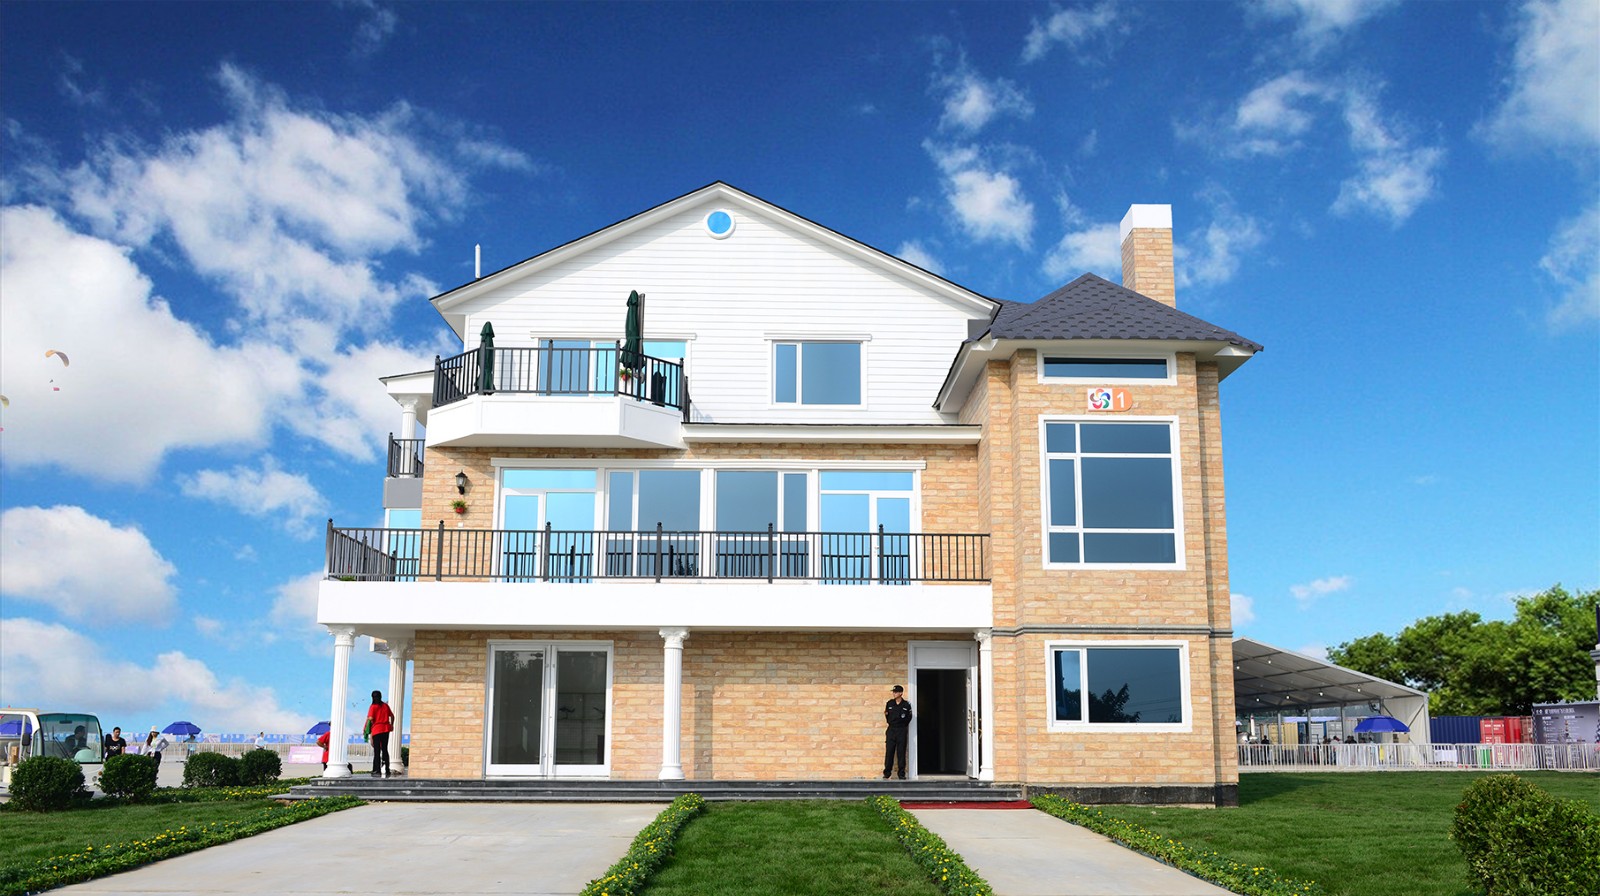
x,y
458,506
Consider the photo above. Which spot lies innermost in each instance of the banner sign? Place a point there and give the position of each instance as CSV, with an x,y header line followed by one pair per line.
x,y
1566,723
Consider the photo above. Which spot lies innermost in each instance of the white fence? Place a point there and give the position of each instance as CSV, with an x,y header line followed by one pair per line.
x,y
1399,757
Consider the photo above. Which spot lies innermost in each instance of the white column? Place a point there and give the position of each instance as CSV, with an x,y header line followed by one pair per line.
x,y
672,705
986,701
408,418
343,640
399,654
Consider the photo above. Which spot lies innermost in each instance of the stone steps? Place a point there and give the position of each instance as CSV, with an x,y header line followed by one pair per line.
x,y
539,790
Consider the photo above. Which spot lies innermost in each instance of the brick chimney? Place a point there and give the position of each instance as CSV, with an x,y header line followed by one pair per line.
x,y
1147,252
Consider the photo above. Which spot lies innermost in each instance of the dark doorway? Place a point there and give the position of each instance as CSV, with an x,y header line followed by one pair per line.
x,y
941,713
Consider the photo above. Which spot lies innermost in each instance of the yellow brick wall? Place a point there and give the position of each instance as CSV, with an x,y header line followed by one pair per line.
x,y
800,706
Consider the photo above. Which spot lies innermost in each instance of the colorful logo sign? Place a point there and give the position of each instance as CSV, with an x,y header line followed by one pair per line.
x,y
1103,399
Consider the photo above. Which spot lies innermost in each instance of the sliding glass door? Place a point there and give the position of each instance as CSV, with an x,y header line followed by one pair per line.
x,y
548,709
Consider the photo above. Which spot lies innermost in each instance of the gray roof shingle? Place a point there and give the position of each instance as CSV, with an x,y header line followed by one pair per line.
x,y
1094,308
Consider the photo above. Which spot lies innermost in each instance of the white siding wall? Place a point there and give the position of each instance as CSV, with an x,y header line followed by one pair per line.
x,y
730,298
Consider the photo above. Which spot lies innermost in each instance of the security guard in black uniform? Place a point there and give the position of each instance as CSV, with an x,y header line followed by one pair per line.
x,y
897,712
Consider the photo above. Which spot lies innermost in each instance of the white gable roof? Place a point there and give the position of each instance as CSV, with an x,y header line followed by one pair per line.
x,y
451,304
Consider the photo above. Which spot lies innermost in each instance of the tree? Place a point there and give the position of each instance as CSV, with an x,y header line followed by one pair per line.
x,y
1474,667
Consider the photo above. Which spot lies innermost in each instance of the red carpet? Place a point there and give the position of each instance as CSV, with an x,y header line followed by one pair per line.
x,y
971,804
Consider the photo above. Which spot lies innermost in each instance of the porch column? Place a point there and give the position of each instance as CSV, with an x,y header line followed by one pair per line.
x,y
408,418
399,654
985,637
343,640
672,705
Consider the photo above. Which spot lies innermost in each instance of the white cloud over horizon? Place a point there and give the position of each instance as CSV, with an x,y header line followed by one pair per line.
x,y
1573,263
1075,28
1318,22
265,492
84,567
988,201
1552,99
1243,610
1311,591
971,101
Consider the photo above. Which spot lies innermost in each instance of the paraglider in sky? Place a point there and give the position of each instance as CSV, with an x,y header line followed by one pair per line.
x,y
61,355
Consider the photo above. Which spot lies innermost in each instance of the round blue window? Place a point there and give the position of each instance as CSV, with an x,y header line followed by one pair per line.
x,y
719,224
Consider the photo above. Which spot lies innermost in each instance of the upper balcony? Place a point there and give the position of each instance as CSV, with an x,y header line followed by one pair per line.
x,y
557,397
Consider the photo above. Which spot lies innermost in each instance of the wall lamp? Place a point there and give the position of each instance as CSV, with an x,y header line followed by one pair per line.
x,y
461,483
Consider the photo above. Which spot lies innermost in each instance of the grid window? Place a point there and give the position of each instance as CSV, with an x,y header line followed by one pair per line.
x,y
816,373
1110,493
1117,685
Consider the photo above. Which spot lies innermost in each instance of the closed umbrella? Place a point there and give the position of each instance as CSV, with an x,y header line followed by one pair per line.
x,y
633,334
486,359
184,728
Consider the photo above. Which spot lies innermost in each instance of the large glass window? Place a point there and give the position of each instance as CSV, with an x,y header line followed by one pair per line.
x,y
1110,493
755,511
1117,685
854,505
816,373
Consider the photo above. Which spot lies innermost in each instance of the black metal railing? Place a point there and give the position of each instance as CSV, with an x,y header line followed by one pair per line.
x,y
405,457
554,555
559,371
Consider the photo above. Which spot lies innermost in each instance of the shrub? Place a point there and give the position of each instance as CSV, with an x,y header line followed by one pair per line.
x,y
259,767
1520,841
649,850
949,872
130,777
46,783
210,770
405,756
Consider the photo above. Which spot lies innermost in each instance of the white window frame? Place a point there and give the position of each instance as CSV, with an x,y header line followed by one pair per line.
x,y
551,769
1108,355
1179,560
1059,726
799,371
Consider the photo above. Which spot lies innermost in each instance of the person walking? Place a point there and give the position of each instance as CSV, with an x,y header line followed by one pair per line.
x,y
155,743
116,744
380,721
897,737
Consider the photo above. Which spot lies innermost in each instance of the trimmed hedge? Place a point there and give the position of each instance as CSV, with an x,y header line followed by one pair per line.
x,y
211,770
258,767
1250,880
649,850
1519,840
92,862
46,784
946,867
129,777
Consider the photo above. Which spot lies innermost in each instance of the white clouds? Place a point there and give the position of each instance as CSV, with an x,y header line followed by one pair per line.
x,y
84,296
83,566
1214,259
1573,262
1243,609
1092,248
971,101
988,202
52,665
1311,591
374,31
1272,116
1394,178
1320,21
1554,87
918,254
294,603
350,407
1073,28
267,492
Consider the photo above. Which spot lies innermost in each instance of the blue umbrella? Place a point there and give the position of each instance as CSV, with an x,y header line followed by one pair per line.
x,y
181,728
12,728
320,728
1377,724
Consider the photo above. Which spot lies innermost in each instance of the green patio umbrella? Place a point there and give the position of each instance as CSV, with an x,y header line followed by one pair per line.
x,y
633,334
486,359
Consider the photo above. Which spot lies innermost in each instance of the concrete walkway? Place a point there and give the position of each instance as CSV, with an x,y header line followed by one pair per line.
x,y
1024,852
395,849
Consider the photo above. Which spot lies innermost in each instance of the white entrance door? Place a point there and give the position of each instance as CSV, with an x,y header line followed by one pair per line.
x,y
945,697
548,710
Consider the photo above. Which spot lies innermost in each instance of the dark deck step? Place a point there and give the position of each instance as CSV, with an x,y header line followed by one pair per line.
x,y
539,790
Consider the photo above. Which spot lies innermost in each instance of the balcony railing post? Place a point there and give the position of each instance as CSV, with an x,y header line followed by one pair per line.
x,y
772,553
544,554
658,550
438,550
882,559
327,552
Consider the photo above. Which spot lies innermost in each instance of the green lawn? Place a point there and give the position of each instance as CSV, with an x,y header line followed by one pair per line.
x,y
31,836
789,847
1353,833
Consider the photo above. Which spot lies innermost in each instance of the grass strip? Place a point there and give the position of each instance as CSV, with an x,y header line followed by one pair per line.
x,y
92,862
648,851
1250,880
944,866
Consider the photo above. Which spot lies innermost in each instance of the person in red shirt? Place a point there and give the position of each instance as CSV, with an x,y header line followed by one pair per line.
x,y
380,721
322,741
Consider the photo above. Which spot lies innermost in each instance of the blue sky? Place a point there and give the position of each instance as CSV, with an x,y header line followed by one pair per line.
x,y
230,216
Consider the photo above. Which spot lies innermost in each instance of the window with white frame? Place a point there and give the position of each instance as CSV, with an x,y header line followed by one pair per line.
x,y
1110,494
1118,684
825,373
1103,370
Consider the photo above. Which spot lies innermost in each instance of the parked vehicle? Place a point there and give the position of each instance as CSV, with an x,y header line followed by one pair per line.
x,y
25,733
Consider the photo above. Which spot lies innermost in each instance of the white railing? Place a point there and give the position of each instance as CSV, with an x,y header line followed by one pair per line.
x,y
1399,757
